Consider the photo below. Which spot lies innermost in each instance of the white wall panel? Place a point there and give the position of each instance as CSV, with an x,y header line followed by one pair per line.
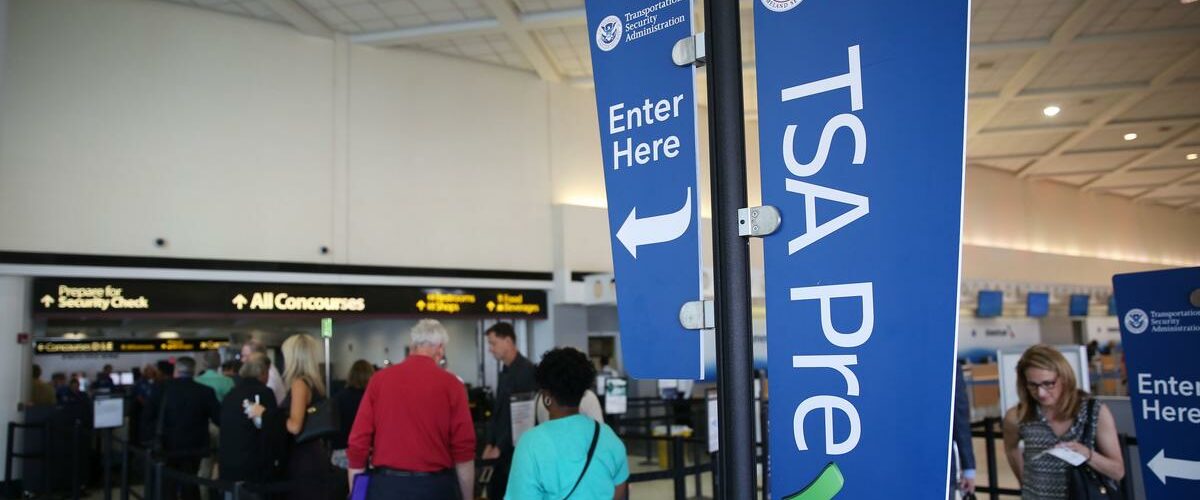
x,y
448,163
127,121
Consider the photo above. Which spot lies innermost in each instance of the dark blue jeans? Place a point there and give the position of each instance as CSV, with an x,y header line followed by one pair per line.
x,y
442,486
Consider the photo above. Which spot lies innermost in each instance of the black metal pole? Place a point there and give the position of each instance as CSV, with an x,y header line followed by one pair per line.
x,y
106,462
731,253
677,469
125,457
763,406
989,441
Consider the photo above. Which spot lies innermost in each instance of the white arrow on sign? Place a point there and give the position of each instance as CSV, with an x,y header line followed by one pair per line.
x,y
636,232
1164,467
47,300
240,301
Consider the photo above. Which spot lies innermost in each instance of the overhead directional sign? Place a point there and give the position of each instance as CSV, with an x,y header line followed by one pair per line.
x,y
861,110
647,113
1159,313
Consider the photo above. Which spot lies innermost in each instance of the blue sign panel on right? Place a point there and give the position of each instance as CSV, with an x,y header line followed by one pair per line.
x,y
1159,312
861,119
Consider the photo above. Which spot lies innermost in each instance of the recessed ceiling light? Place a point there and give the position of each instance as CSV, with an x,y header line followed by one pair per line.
x,y
1185,2
1193,156
1051,110
1130,136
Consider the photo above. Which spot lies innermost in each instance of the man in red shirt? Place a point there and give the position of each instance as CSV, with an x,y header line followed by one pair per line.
x,y
415,427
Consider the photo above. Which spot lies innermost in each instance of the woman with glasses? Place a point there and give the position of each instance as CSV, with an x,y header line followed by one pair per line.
x,y
1052,413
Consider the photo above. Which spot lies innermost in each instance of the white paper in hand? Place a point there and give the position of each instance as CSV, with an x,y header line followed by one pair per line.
x,y
1064,454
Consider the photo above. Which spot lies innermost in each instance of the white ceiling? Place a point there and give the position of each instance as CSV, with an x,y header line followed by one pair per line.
x,y
1113,66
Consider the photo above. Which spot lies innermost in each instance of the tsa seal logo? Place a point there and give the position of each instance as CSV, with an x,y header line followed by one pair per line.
x,y
608,34
780,5
1136,321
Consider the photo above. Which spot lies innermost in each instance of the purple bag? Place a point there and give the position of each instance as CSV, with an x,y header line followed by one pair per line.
x,y
361,483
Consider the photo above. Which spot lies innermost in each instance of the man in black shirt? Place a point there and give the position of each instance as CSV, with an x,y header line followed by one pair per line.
x,y
178,417
516,377
249,448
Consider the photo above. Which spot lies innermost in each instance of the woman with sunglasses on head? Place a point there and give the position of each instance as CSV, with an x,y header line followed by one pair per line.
x,y
1054,412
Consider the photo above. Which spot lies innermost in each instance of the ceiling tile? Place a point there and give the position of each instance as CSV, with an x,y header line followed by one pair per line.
x,y
1007,164
1129,192
1168,103
1144,177
989,72
1074,180
1122,16
1008,20
1087,162
1105,65
1174,157
1074,111
398,8
1113,136
1013,144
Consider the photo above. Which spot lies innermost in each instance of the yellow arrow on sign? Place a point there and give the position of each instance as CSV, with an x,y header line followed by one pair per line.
x,y
421,305
240,301
491,306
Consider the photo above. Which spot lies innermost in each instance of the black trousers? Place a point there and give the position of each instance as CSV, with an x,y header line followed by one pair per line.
x,y
437,487
499,483
173,489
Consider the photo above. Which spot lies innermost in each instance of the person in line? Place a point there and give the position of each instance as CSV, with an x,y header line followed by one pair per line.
x,y
104,381
41,393
964,448
572,455
1053,412
414,426
212,376
178,418
276,382
72,394
143,393
221,385
249,448
306,388
589,406
231,369
348,401
516,377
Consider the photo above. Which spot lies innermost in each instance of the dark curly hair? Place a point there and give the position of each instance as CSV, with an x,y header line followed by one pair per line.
x,y
566,374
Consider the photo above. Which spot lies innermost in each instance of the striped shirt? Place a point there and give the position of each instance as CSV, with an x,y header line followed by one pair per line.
x,y
1044,478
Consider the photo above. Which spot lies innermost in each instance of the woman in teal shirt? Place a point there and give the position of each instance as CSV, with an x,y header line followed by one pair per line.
x,y
571,455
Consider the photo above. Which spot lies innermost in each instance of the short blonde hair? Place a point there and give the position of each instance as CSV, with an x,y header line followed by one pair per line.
x,y
428,332
1047,358
300,362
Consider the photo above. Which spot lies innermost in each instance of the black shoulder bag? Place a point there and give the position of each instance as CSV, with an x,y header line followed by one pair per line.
x,y
591,451
1083,483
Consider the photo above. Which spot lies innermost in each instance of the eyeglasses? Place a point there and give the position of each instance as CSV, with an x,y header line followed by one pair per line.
x,y
1047,385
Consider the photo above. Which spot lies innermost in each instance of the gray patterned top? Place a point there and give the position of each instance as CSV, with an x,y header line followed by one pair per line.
x,y
1045,477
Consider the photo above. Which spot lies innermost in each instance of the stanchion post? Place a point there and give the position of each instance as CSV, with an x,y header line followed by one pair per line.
x,y
125,470
75,459
106,461
148,479
696,463
677,466
989,440
158,480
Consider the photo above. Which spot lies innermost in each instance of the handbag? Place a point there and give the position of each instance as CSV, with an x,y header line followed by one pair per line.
x,y
591,452
1083,483
320,421
362,482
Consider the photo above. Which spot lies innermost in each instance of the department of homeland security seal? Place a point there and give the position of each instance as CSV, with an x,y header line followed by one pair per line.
x,y
780,5
608,34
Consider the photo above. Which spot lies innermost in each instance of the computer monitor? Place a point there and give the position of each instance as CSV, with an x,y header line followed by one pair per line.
x,y
1037,305
991,304
126,378
1079,304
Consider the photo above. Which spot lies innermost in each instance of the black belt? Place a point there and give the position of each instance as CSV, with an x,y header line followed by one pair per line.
x,y
408,473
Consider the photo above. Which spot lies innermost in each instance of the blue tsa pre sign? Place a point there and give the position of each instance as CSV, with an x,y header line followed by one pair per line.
x,y
1159,312
861,119
647,112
